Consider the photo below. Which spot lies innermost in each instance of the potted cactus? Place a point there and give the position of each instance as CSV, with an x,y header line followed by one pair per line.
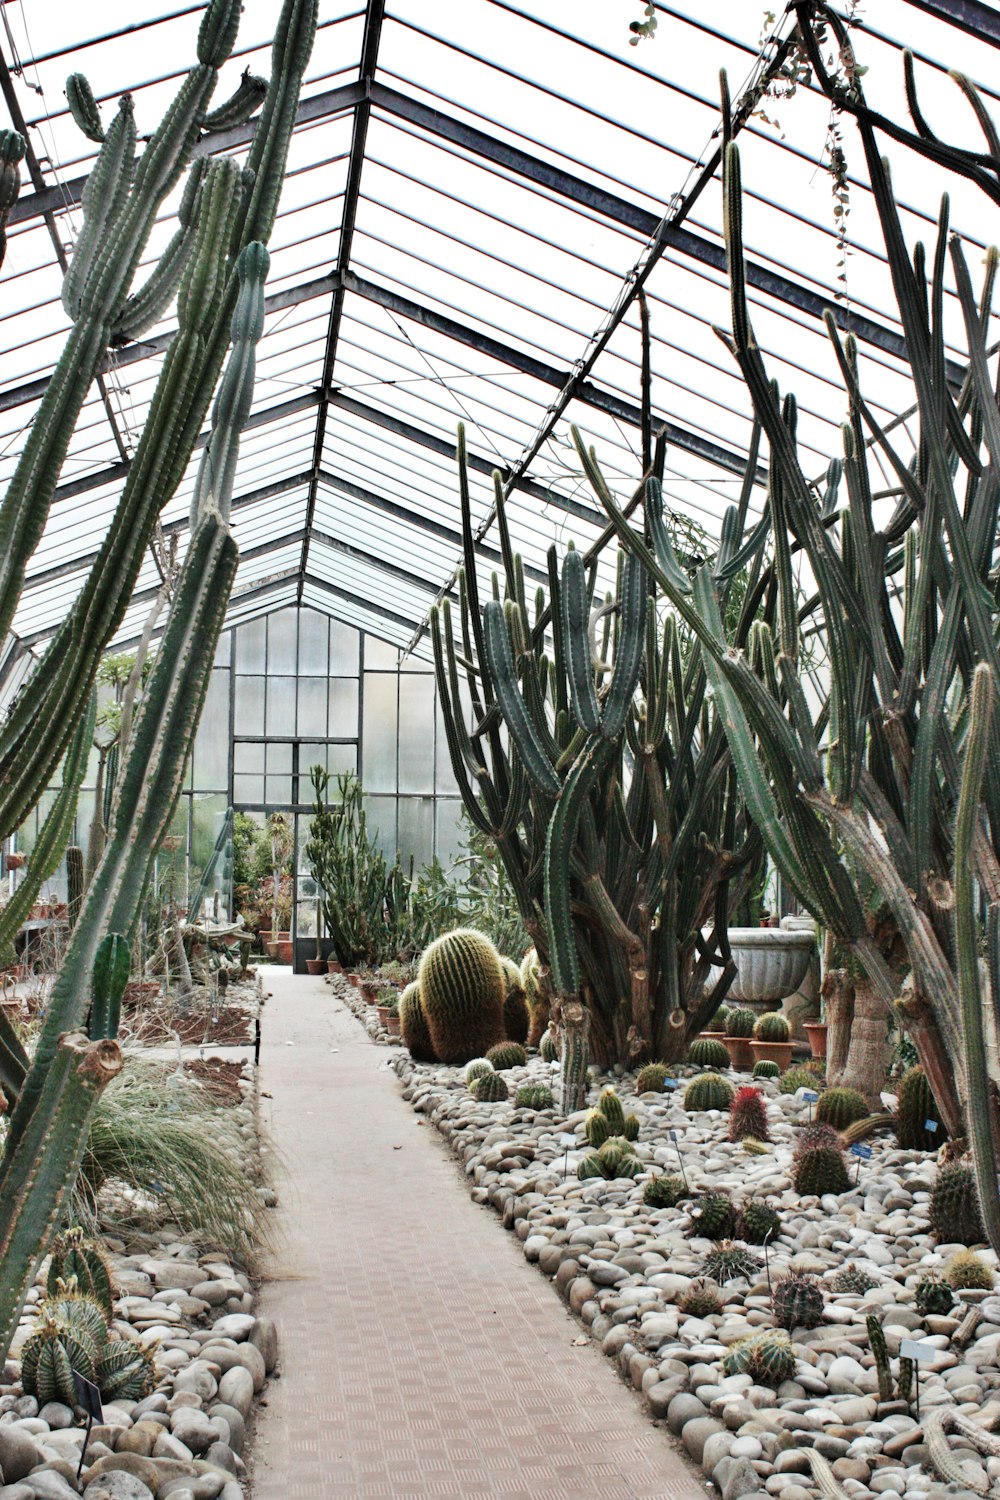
x,y
772,1039
738,1038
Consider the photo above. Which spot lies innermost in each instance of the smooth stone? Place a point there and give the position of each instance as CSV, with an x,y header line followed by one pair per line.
x,y
143,1469
168,1446
120,1486
684,1408
56,1414
18,1452
742,1479
236,1389
138,1439
234,1421
192,1428
238,1326
222,1455
199,1379
264,1336
16,1492
696,1433
46,1484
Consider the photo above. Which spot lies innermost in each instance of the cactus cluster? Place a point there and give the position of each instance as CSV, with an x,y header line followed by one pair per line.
x,y
72,1334
840,1107
462,991
887,1387
475,1068
700,1300
610,1107
934,1296
490,1088
76,1258
748,1115
507,1055
413,1028
713,1216
768,1358
757,1221
534,1096
728,1262
766,1068
708,1091
853,1281
772,1026
650,1079
954,1205
798,1302
706,1052
966,1271
914,1108
615,1157
664,1192
740,1022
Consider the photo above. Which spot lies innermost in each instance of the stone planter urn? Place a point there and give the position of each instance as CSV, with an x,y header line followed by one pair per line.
x,y
770,965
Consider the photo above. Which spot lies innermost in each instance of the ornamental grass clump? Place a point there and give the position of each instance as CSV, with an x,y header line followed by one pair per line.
x,y
748,1115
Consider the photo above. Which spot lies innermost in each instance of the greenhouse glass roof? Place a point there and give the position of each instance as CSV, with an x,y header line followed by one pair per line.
x,y
475,190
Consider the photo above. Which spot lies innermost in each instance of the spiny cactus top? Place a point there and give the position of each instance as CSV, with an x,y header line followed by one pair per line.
x,y
462,991
840,1107
772,1026
740,1022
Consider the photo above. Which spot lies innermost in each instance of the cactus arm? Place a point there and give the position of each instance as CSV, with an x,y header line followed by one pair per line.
x,y
39,1171
293,42
576,636
497,652
145,307
978,1089
824,1476
948,1465
54,832
101,202
877,1344
249,95
83,107
108,981
559,844
12,149
628,649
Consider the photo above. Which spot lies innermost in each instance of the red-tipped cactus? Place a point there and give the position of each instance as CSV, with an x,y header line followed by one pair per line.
x,y
748,1115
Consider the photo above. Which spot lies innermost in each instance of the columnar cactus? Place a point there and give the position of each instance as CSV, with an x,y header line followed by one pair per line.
x,y
12,149
462,989
413,1027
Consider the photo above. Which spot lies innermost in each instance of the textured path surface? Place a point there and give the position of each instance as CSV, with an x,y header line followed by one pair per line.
x,y
421,1354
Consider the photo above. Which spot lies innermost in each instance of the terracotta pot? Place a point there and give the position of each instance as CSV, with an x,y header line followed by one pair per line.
x,y
713,1036
393,1023
332,966
816,1032
354,979
369,992
779,1052
383,1014
15,860
264,933
740,1049
285,950
271,949
315,965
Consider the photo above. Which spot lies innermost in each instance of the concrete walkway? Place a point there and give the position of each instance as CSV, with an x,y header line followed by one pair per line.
x,y
421,1354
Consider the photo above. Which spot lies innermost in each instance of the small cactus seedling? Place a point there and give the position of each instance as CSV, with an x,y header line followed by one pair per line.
x,y
651,1078
701,1300
757,1221
852,1281
729,1262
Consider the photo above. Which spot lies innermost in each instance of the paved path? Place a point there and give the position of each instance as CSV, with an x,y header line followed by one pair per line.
x,y
421,1354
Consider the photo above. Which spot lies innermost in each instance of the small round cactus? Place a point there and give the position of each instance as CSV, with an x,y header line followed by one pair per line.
x,y
757,1221
740,1022
507,1055
595,1128
768,1358
797,1302
965,1271
766,1068
748,1115
413,1025
611,1108
708,1091
729,1262
852,1281
954,1205
721,1017
630,1127
916,1106
664,1192
820,1170
797,1078
534,1096
650,1079
548,1048
772,1026
477,1068
712,1216
934,1296
491,1088
815,1133
701,1300
75,1256
841,1107
706,1052
618,1158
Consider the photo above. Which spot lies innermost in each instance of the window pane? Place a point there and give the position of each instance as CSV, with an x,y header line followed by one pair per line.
x,y
313,658
250,639
282,633
381,816
248,715
280,704
224,649
279,789
380,654
343,708
341,758
452,830
248,758
211,746
344,648
444,775
416,830
248,788
312,705
379,756
416,733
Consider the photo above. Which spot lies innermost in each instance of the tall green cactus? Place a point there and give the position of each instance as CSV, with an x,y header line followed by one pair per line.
x,y
618,874
222,210
12,148
48,1127
860,796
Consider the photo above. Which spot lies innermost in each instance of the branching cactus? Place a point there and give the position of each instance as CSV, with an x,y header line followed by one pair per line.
x,y
222,210
879,799
71,1066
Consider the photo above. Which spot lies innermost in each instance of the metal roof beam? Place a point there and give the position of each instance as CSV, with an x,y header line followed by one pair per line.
x,y
406,622
979,20
358,554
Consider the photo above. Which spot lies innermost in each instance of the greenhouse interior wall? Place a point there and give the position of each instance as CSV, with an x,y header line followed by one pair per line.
x,y
291,690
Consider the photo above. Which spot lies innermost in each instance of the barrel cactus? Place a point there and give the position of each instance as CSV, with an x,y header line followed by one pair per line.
x,y
708,1091
740,1022
548,1048
757,1221
507,1055
538,998
706,1052
651,1078
934,1296
798,1302
729,1262
915,1107
595,1128
712,1216
966,1271
534,1096
748,1115
614,1158
852,1281
816,1133
462,990
954,1205
766,1068
664,1192
768,1358
491,1088
701,1300
72,1335
611,1108
819,1170
79,1259
413,1027
772,1026
516,1018
840,1107
477,1067
794,1079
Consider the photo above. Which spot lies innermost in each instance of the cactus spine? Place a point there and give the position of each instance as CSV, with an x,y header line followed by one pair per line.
x,y
462,989
413,1026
